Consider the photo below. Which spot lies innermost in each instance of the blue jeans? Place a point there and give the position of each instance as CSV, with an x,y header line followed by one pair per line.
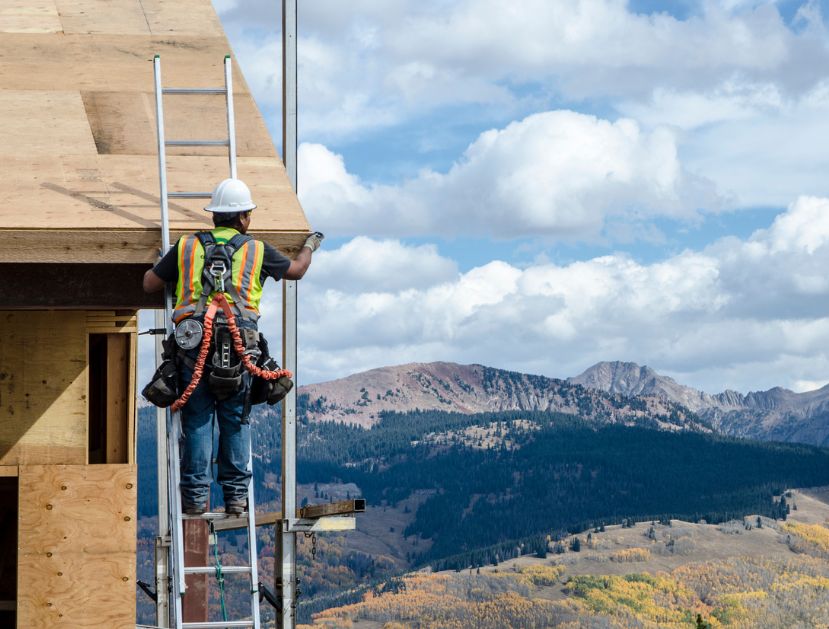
x,y
197,442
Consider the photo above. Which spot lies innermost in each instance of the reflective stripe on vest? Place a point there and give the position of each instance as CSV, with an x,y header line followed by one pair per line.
x,y
245,273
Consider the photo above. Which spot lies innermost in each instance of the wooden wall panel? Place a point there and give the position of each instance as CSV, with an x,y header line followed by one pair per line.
x,y
115,63
44,122
182,17
123,123
29,16
93,16
76,562
43,387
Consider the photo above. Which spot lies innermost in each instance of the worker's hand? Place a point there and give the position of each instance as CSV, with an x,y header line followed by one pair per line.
x,y
314,241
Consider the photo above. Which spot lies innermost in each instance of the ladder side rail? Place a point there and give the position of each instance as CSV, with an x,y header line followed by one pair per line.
x,y
253,560
162,161
173,419
177,529
231,118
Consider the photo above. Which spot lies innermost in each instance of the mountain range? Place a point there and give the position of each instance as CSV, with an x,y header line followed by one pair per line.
x,y
608,392
776,415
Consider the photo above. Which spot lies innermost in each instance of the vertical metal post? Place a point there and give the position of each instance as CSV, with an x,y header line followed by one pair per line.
x,y
162,542
231,119
286,581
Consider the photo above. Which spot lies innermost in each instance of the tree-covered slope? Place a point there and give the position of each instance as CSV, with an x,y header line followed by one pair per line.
x,y
503,476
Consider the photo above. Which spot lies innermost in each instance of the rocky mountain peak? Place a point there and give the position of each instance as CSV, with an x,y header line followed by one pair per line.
x,y
619,377
362,398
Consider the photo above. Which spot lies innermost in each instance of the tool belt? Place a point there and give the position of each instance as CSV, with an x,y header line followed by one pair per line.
x,y
224,369
270,391
163,390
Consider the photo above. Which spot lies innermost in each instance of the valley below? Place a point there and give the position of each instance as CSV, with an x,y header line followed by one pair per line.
x,y
742,573
618,498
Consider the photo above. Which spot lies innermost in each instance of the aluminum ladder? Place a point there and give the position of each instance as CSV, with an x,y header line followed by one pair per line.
x,y
175,547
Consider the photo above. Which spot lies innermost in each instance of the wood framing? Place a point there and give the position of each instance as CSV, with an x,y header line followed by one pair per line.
x,y
76,562
113,336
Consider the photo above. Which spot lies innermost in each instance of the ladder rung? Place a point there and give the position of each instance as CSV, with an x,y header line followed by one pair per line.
x,y
189,195
213,515
197,143
217,623
194,90
212,569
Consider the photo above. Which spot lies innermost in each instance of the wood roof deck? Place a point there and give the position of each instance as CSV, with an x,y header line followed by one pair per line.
x,y
77,124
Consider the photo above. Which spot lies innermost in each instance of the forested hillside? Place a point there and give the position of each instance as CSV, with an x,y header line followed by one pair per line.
x,y
543,474
455,490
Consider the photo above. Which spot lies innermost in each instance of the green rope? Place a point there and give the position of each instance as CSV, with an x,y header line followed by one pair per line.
x,y
220,579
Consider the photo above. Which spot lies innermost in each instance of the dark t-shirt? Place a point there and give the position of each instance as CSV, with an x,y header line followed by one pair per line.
x,y
274,265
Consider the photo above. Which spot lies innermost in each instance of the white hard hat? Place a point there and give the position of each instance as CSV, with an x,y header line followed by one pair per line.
x,y
231,195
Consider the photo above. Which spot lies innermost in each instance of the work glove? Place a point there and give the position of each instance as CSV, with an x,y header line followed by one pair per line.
x,y
314,241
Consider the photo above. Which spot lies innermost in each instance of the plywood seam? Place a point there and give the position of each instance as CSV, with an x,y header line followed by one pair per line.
x,y
144,13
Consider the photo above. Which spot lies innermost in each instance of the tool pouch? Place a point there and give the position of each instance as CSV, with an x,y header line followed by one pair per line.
x,y
270,391
225,378
162,389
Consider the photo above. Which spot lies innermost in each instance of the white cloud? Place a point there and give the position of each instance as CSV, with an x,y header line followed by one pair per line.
x,y
370,64
739,314
755,142
557,173
385,265
743,90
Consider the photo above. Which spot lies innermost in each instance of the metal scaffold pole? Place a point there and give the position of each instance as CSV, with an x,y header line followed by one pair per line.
x,y
286,546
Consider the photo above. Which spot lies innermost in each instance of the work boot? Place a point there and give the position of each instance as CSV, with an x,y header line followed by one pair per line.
x,y
194,509
236,506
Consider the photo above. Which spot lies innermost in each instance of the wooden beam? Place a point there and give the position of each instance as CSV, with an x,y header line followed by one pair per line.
x,y
132,415
117,425
341,507
8,471
112,247
196,553
74,287
262,519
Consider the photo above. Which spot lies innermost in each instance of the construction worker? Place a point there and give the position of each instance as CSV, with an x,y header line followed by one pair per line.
x,y
201,266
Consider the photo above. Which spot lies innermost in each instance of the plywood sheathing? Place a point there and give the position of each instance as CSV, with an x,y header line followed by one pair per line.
x,y
76,561
30,16
43,388
77,118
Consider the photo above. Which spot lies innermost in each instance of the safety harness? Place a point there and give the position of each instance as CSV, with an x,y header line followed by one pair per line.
x,y
219,301
217,275
217,280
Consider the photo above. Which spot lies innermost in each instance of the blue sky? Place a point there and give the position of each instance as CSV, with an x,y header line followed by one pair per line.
x,y
542,185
